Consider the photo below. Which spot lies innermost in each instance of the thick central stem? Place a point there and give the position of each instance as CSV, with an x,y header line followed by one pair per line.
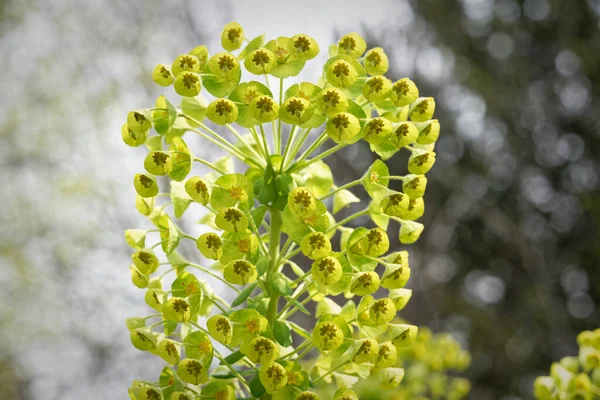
x,y
274,241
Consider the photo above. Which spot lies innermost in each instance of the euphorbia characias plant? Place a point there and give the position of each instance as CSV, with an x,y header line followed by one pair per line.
x,y
279,207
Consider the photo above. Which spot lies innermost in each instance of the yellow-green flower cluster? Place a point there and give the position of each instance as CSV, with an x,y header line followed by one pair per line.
x,y
269,213
574,377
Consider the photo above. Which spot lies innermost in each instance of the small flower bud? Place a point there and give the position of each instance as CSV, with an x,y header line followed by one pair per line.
x,y
261,61
201,53
327,336
177,309
414,185
397,278
377,88
158,163
387,356
303,47
377,129
145,261
415,210
422,109
375,242
366,350
365,283
145,185
345,394
137,278
404,92
382,311
264,109
421,161
262,350
327,270
210,245
307,396
296,111
131,138
406,133
341,74
376,61
155,298
231,219
410,232
187,84
315,245
224,66
395,205
192,371
352,44
222,111
185,63
429,131
342,127
197,189
240,272
400,297
301,202
138,122
162,76
219,327
331,101
232,36
143,339
169,351
273,377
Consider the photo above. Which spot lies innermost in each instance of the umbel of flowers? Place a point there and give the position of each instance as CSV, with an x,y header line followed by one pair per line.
x,y
280,205
576,377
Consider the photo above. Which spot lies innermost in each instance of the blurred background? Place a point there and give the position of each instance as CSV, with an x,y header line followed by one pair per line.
x,y
508,263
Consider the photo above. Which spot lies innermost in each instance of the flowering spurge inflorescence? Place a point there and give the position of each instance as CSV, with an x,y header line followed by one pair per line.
x,y
576,377
263,216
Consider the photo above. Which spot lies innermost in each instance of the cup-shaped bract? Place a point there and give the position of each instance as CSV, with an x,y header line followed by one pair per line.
x,y
138,122
185,63
331,101
414,185
177,309
366,350
376,61
240,272
224,66
382,311
273,377
404,92
303,47
158,162
162,76
260,61
422,109
352,44
264,109
137,278
342,127
395,205
375,242
295,111
365,283
169,350
315,245
187,84
327,270
327,336
210,245
405,133
341,74
301,202
192,371
145,186
220,328
145,261
143,339
387,356
421,161
222,111
232,36
396,278
131,138
201,53
429,131
377,88
231,219
307,396
377,129
410,232
262,350
198,189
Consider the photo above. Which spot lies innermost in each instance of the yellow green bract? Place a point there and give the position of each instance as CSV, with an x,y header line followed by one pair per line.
x,y
243,215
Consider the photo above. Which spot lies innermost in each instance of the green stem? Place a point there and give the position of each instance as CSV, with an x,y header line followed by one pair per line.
x,y
297,349
214,276
348,219
280,103
243,141
331,371
228,147
274,239
300,142
261,144
288,146
235,371
340,188
264,138
393,177
316,144
210,165
321,156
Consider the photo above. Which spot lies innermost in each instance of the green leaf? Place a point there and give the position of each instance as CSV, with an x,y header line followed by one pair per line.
x,y
199,347
290,68
299,306
244,295
256,387
384,149
353,251
136,238
373,178
380,219
180,198
318,178
356,110
305,90
194,107
221,89
187,285
234,357
173,238
342,199
250,47
258,214
245,92
177,259
163,120
299,330
226,164
282,333
280,285
229,190
154,143
208,219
